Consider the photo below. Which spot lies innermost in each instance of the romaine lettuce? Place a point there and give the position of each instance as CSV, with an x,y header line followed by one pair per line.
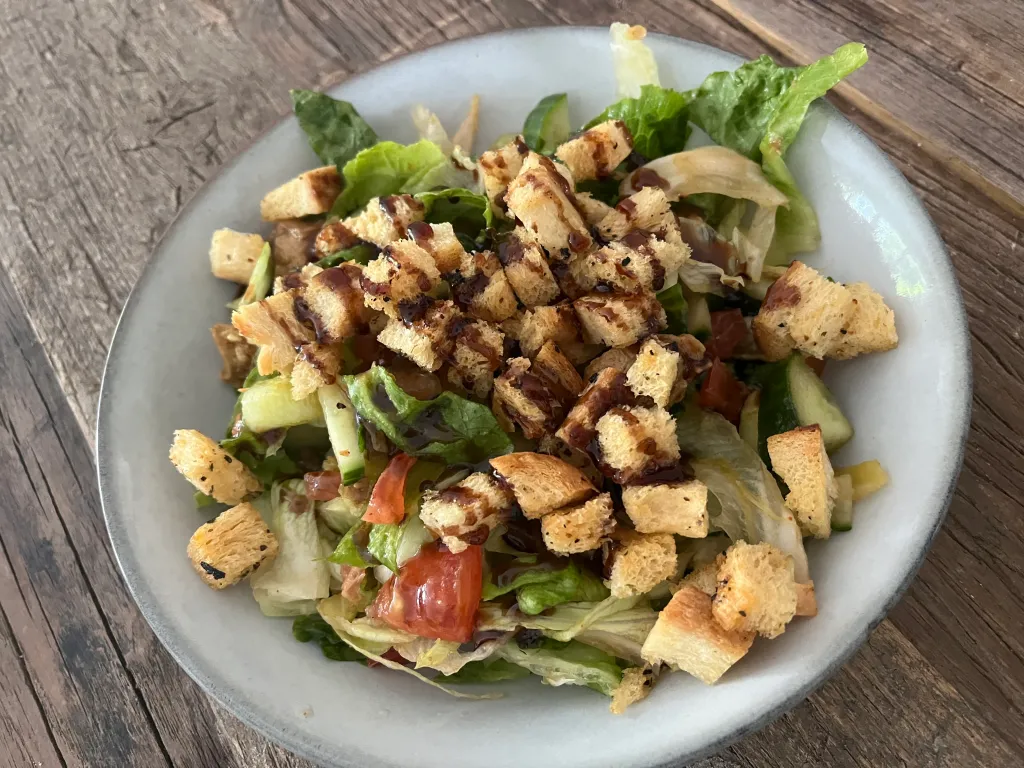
x,y
571,663
388,168
313,628
539,588
467,212
490,670
335,130
658,119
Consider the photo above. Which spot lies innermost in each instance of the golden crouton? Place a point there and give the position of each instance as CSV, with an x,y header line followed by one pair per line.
x,y
333,302
679,507
309,194
292,244
542,199
872,327
316,365
636,684
385,219
594,211
654,372
233,255
273,325
619,358
557,323
334,237
638,562
634,441
499,167
687,637
597,152
606,389
578,529
619,319
542,483
799,458
210,468
402,272
293,281
648,209
560,375
481,288
703,577
476,357
465,513
527,270
806,602
524,398
756,590
231,547
639,261
235,352
424,336
440,242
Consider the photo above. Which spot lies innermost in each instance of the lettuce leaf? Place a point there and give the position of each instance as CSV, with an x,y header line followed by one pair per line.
x,y
634,62
314,629
360,254
540,588
467,212
388,168
335,130
490,670
658,119
571,663
348,551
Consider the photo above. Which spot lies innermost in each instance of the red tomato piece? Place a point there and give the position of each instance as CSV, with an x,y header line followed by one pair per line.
x,y
387,501
322,486
435,594
728,330
722,392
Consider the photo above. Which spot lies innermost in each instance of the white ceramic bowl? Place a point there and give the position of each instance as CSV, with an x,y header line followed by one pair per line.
x,y
910,409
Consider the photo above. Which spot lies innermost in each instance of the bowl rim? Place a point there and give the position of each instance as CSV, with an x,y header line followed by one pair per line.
x,y
288,738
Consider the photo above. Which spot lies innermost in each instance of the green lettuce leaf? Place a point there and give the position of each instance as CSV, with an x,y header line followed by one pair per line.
x,y
571,663
388,168
450,428
360,254
547,125
491,670
540,588
348,550
314,629
658,120
335,130
467,212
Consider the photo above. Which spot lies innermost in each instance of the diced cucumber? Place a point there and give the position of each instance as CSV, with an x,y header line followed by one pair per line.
x,y
343,431
698,317
674,303
748,418
842,512
866,478
268,404
547,125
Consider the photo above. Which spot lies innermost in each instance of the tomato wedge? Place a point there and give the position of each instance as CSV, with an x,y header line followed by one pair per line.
x,y
322,486
387,501
722,392
728,330
435,594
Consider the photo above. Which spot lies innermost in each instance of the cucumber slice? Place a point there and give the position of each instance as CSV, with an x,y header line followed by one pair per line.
x,y
842,512
698,317
343,431
268,404
674,303
547,125
748,419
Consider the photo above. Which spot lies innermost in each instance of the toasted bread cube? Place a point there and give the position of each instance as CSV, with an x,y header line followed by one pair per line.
x,y
317,365
235,352
636,684
274,327
756,590
703,577
294,281
578,529
309,194
635,440
465,513
210,468
799,458
638,562
426,338
554,367
594,211
293,244
619,320
542,483
499,167
334,303
647,209
542,199
806,602
619,358
597,152
385,219
639,261
604,392
527,270
679,508
654,372
556,323
334,237
402,272
524,398
481,288
231,547
233,255
476,357
574,457
872,327
440,242
687,637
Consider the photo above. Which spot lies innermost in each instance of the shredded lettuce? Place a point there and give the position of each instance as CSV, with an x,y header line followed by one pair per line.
x,y
490,670
313,628
430,128
335,130
388,168
467,212
539,588
571,663
634,62
445,656
658,119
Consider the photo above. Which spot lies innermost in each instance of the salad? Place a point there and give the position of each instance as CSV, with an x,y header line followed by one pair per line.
x,y
553,409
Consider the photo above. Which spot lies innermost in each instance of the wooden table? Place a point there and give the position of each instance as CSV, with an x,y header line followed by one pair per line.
x,y
113,113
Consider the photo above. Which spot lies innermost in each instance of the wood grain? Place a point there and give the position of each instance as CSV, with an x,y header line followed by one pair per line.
x,y
113,113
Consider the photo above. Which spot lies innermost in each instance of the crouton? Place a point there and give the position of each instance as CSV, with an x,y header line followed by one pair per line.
x,y
597,152
527,270
333,303
560,375
679,507
293,281
316,365
574,457
231,547
334,237
638,562
703,577
594,211
524,398
309,194
578,529
233,255
477,355
424,335
806,602
648,210
236,353
639,261
499,167
465,513
636,684
634,441
687,637
619,319
756,590
654,372
805,311
542,199
210,468
557,323
619,358
292,244
480,287
799,458
402,272
542,483
440,242
385,219
273,325
604,392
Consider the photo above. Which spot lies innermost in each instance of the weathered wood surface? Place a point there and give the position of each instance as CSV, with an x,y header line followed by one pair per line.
x,y
113,113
